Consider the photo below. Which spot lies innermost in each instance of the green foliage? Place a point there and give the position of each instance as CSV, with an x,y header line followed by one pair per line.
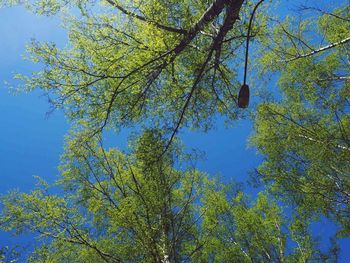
x,y
241,231
9,255
305,136
117,208
167,62
173,64
114,208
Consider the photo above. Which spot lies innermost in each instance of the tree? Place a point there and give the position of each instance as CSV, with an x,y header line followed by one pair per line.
x,y
171,62
136,207
305,136
9,255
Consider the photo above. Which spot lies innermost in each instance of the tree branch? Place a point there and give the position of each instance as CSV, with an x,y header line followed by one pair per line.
x,y
131,14
344,41
231,17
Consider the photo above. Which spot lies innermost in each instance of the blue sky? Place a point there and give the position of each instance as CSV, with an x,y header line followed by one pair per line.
x,y
31,143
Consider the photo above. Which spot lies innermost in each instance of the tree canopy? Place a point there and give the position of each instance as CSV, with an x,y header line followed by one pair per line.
x,y
172,62
305,135
121,207
165,65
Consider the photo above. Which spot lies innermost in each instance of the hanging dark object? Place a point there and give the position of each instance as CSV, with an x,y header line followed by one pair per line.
x,y
243,95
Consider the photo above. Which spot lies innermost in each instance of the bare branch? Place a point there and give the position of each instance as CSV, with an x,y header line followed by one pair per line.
x,y
306,8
